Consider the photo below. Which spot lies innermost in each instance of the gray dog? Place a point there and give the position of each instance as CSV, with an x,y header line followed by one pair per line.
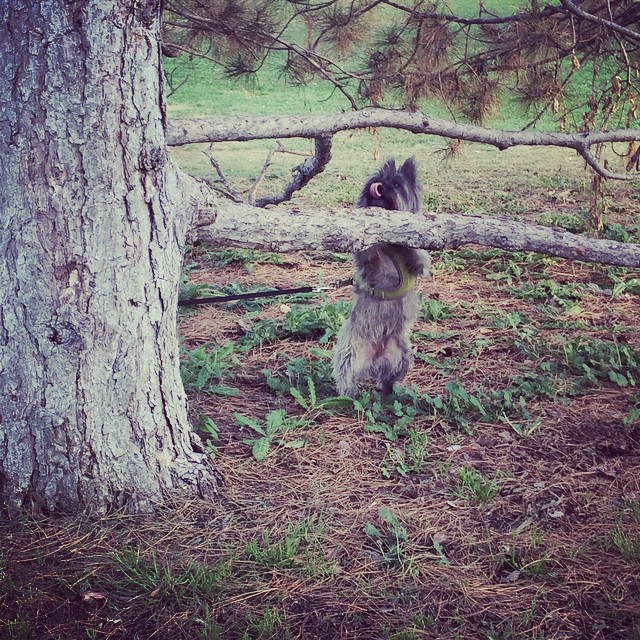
x,y
374,342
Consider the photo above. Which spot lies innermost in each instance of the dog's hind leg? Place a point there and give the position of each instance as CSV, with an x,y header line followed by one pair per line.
x,y
393,365
352,359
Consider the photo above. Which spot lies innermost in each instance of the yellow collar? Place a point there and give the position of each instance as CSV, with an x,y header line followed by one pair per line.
x,y
407,280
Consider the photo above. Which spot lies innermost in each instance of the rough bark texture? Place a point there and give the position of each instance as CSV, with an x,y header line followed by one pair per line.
x,y
92,409
353,229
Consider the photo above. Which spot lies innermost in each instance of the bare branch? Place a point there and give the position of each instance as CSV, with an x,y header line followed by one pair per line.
x,y
227,190
303,173
548,10
241,128
608,24
251,195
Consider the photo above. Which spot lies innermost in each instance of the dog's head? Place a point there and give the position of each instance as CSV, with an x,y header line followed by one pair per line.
x,y
393,188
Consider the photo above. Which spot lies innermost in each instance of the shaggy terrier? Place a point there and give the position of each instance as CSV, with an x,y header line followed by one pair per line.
x,y
374,342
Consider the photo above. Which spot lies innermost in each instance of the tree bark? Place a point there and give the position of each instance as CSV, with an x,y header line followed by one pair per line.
x,y
92,408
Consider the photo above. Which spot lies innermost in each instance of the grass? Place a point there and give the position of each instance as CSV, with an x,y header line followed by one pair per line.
x,y
495,496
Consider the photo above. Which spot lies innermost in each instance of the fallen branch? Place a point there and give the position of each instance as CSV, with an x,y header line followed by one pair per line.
x,y
225,224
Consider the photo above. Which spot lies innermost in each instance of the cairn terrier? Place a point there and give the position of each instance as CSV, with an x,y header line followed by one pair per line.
x,y
374,342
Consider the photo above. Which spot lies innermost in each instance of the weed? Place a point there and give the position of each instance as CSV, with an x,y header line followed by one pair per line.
x,y
311,404
208,628
390,543
449,261
437,545
284,553
634,412
574,223
628,545
184,586
378,419
188,291
433,310
6,583
513,321
210,431
276,425
416,449
597,359
299,370
528,565
564,295
266,627
394,460
405,634
615,231
442,468
621,287
510,271
634,506
299,322
474,486
248,304
460,405
523,430
206,366
246,257
17,629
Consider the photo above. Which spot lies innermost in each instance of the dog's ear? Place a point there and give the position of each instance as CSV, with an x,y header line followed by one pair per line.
x,y
389,166
410,171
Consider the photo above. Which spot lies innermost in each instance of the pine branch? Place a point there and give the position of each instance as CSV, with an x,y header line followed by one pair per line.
x,y
547,11
608,24
240,128
303,173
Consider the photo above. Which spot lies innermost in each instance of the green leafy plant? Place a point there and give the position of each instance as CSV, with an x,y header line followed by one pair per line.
x,y
597,359
416,450
433,310
460,406
621,286
390,543
210,431
300,369
311,403
564,295
394,460
205,367
474,486
276,424
300,321
569,222
246,257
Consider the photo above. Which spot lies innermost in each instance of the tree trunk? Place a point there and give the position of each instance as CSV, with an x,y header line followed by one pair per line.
x,y
92,408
